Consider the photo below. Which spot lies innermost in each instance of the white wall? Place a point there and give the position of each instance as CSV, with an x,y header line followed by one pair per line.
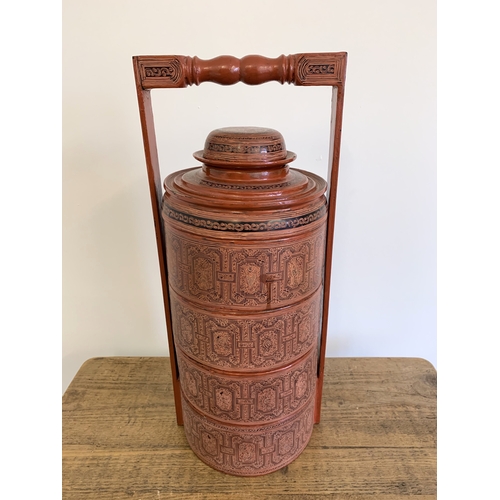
x,y
383,297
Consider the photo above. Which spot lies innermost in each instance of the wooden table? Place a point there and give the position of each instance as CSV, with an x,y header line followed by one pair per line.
x,y
376,439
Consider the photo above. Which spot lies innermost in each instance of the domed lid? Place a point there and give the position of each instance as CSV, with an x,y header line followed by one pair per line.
x,y
244,146
245,171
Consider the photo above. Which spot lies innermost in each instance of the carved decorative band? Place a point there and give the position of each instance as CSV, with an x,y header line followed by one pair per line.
x,y
229,148
229,137
245,187
244,227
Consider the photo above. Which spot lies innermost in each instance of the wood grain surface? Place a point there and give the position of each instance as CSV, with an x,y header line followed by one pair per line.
x,y
376,439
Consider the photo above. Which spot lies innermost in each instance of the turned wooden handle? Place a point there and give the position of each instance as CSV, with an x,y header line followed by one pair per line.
x,y
299,69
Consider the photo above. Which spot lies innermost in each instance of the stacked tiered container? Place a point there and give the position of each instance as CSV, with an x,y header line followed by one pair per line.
x,y
245,238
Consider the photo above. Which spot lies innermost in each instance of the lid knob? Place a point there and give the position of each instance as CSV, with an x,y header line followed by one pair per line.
x,y
245,147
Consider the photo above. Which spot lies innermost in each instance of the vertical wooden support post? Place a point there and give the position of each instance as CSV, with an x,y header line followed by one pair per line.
x,y
155,190
334,158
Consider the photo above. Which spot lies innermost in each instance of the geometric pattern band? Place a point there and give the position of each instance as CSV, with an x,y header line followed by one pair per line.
x,y
244,226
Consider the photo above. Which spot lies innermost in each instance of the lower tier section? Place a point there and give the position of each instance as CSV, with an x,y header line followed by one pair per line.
x,y
248,399
251,450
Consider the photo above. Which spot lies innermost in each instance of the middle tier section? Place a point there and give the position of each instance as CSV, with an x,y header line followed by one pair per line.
x,y
246,342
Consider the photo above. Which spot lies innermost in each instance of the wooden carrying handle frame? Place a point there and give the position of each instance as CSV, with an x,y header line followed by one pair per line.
x,y
173,71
